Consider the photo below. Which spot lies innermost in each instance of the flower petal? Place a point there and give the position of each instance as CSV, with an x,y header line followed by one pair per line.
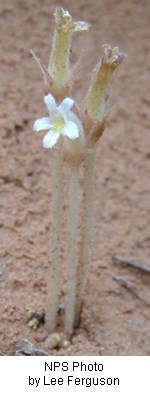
x,y
71,130
50,103
50,139
65,107
41,124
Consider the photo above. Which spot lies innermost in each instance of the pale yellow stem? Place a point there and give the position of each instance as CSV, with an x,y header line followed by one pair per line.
x,y
72,258
86,236
53,259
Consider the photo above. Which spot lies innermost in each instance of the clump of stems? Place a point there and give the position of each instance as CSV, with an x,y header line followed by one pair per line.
x,y
74,136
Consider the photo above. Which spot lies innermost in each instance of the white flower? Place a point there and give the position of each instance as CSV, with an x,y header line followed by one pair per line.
x,y
59,121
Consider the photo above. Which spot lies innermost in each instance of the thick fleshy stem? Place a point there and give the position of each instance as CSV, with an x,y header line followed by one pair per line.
x,y
86,236
53,259
72,255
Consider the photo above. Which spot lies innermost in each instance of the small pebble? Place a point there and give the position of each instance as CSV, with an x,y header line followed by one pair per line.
x,y
40,315
53,340
64,344
34,323
31,312
61,309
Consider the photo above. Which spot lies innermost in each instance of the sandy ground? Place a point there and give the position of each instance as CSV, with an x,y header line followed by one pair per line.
x,y
115,320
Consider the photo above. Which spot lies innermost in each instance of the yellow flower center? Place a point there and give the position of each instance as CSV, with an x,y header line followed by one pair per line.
x,y
57,126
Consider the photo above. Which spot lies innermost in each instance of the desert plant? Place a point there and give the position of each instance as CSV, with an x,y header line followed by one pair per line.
x,y
73,135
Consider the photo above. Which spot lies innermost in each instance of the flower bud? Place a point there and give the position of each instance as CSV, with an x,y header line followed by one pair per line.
x,y
94,103
59,66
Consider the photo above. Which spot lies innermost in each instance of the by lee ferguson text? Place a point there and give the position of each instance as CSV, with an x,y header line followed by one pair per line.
x,y
76,374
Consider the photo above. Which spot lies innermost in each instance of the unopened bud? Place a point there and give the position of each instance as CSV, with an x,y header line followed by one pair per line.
x,y
94,104
59,66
